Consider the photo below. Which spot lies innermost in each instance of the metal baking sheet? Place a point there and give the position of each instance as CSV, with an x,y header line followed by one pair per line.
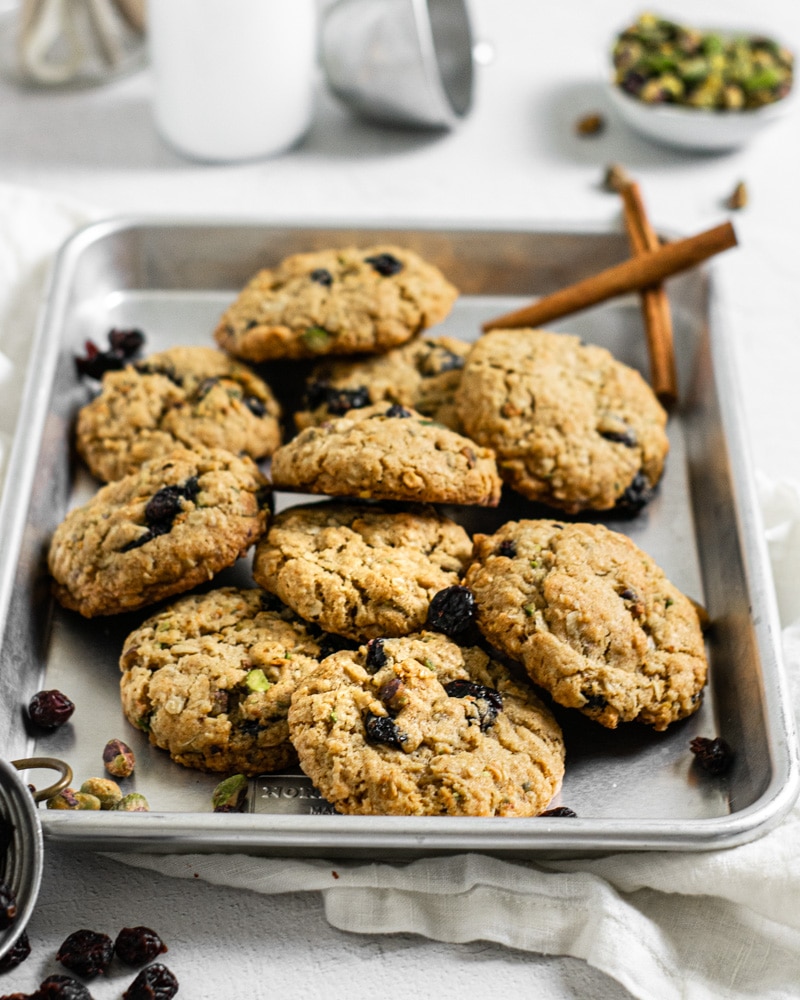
x,y
631,788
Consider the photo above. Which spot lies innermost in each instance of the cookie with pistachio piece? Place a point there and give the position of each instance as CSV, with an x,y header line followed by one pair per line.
x,y
361,570
571,425
182,397
388,452
593,619
167,527
420,726
422,374
340,301
210,679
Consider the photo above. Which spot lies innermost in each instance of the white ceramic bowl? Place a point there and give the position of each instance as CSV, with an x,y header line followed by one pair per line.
x,y
695,129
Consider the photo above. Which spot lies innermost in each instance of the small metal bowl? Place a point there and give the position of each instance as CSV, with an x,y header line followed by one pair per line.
x,y
400,62
21,860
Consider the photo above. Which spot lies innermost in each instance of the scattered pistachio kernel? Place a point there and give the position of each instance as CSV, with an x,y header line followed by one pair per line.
x,y
132,802
105,790
256,680
65,799
316,338
119,759
591,124
230,794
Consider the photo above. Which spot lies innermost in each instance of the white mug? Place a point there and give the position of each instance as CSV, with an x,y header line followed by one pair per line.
x,y
232,79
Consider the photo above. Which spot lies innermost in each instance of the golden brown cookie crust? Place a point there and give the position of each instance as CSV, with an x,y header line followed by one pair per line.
x,y
361,570
183,397
592,618
340,301
430,752
572,427
388,453
160,531
422,374
210,680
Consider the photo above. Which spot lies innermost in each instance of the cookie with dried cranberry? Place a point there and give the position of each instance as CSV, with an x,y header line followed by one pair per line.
x,y
210,679
422,374
361,570
593,619
419,726
183,397
160,531
572,426
388,452
335,302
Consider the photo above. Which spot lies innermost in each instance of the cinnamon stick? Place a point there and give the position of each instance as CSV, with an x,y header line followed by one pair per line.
x,y
633,275
655,304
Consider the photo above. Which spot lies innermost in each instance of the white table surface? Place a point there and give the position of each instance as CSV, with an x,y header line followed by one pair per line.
x,y
515,161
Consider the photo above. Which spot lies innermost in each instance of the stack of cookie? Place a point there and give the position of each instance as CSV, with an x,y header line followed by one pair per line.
x,y
405,664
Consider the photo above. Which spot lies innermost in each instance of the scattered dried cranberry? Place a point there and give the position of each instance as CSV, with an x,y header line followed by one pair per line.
x,y
8,906
488,702
385,264
438,360
61,988
16,954
452,610
382,729
376,655
123,345
255,405
559,811
156,982
162,509
335,400
322,276
508,548
138,945
637,495
86,952
50,709
626,437
396,410
714,756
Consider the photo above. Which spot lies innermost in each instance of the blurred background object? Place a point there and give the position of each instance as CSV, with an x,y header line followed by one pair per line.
x,y
233,79
75,42
402,62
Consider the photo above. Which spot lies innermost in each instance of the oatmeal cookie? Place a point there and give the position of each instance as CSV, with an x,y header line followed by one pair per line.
x,y
572,427
361,570
210,679
182,397
592,618
422,374
169,526
388,453
335,302
419,726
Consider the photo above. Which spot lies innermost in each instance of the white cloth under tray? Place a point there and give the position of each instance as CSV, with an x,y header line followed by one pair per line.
x,y
722,925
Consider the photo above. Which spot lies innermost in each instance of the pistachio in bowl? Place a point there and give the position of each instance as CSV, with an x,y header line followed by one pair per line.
x,y
698,88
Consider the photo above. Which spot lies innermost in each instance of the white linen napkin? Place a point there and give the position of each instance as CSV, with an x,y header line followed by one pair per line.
x,y
667,926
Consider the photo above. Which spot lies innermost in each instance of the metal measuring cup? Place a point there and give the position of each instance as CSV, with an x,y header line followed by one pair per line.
x,y
22,853
400,62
